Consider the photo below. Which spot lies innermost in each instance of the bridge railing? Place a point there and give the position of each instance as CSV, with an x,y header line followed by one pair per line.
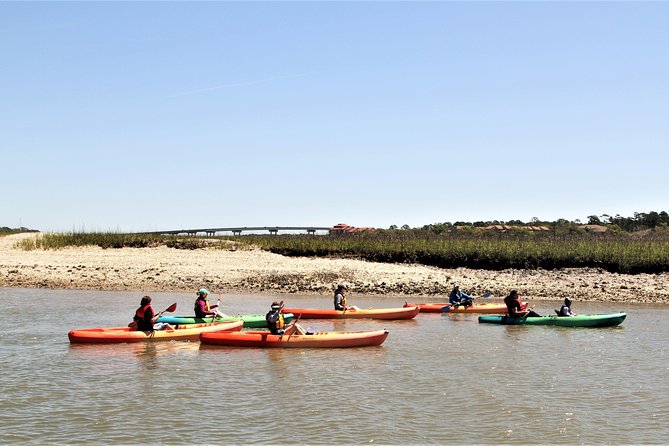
x,y
239,230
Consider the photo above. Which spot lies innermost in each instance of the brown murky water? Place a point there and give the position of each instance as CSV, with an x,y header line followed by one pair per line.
x,y
436,380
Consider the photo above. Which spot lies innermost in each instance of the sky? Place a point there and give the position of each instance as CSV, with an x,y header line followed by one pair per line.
x,y
147,116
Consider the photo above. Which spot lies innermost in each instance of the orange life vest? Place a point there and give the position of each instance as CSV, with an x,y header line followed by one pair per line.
x,y
140,318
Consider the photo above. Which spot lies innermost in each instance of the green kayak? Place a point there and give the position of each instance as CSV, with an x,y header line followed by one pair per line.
x,y
250,320
581,320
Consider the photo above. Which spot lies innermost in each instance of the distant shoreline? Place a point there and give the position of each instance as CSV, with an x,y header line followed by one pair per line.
x,y
260,272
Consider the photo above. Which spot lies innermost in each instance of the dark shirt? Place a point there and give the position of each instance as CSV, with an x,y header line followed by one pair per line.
x,y
565,311
513,306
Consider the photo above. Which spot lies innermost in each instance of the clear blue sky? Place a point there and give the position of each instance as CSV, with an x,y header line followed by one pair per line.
x,y
132,116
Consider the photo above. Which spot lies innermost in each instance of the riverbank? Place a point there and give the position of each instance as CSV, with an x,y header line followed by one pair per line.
x,y
255,271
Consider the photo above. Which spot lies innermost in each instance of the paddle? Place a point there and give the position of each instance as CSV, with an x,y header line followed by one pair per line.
x,y
527,312
293,323
448,307
218,304
170,309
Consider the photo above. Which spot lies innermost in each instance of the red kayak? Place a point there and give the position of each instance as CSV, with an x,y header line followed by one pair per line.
x,y
332,339
475,308
372,313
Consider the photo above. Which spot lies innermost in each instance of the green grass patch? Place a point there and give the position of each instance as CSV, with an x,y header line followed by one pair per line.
x,y
616,254
111,240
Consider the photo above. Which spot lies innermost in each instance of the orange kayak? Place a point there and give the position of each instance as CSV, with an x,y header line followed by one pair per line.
x,y
476,308
115,335
372,313
331,339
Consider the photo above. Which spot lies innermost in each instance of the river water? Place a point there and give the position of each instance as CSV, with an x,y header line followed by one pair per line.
x,y
438,379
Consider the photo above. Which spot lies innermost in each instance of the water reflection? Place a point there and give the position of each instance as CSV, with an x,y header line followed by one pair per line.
x,y
147,355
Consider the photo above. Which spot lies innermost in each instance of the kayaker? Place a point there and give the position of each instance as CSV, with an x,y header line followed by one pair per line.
x,y
202,307
515,306
146,318
565,309
274,318
340,299
458,297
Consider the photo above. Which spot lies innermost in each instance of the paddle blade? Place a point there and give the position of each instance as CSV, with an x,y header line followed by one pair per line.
x,y
446,308
487,294
171,308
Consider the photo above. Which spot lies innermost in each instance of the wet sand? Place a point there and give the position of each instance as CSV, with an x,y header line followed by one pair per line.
x,y
258,272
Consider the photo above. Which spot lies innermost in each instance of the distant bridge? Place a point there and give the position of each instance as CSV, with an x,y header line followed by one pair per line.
x,y
237,231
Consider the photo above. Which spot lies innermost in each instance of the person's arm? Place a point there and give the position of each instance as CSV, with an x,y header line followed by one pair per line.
x,y
516,310
149,316
203,308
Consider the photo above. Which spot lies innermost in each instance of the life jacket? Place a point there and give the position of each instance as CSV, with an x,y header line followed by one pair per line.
x,y
140,318
196,307
343,300
275,319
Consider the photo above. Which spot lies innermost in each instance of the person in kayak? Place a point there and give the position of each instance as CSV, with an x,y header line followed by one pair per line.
x,y
202,307
275,320
565,309
145,317
514,306
340,299
458,297
277,324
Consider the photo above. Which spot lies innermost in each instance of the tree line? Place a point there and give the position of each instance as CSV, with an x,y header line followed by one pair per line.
x,y
616,224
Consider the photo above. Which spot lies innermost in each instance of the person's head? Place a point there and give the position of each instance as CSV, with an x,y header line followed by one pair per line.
x,y
456,286
276,306
146,300
342,287
567,301
203,293
513,294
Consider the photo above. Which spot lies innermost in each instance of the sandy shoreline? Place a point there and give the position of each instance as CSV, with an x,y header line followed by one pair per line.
x,y
255,271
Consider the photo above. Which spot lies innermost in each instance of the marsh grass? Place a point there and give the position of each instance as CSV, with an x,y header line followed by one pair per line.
x,y
110,240
617,253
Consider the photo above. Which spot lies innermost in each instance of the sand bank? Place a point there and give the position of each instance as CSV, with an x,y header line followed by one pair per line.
x,y
256,271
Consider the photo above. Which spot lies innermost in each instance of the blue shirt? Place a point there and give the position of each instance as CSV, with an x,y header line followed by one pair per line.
x,y
457,297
